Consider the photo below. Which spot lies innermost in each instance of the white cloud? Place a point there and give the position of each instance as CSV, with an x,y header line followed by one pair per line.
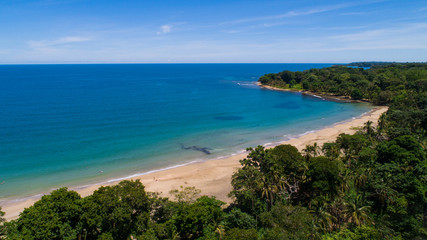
x,y
290,14
410,31
72,40
165,29
60,41
355,13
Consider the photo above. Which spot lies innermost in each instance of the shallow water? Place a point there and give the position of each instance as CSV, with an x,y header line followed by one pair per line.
x,y
69,125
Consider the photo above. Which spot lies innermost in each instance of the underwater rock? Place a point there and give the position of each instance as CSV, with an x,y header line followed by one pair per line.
x,y
196,148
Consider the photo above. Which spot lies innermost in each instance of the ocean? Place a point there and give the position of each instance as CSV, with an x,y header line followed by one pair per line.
x,y
79,124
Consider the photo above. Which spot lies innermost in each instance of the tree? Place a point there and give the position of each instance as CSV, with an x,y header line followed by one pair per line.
x,y
323,177
356,94
119,210
248,182
287,76
187,194
331,150
369,129
2,224
359,233
352,145
268,176
238,219
305,85
287,222
288,170
357,212
405,150
311,150
292,83
192,220
162,209
55,216
241,234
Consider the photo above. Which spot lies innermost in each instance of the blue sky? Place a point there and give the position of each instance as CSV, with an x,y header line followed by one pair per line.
x,y
143,31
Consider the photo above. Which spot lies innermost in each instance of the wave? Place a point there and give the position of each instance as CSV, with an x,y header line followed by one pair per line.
x,y
149,172
245,83
316,96
284,138
16,200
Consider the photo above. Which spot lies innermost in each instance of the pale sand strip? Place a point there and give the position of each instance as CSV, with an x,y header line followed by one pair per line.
x,y
214,177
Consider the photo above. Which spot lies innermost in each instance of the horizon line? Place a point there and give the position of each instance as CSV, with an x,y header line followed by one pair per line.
x,y
108,63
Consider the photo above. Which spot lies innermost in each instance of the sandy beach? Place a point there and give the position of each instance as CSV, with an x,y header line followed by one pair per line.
x,y
213,177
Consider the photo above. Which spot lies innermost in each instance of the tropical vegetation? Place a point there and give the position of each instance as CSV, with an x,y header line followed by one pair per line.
x,y
369,185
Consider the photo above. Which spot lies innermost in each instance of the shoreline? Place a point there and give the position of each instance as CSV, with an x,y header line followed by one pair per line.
x,y
318,95
213,177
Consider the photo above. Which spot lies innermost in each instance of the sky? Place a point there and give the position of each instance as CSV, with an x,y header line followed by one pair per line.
x,y
217,31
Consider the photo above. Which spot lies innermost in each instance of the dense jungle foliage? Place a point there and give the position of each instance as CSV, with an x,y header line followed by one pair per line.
x,y
378,84
370,185
368,64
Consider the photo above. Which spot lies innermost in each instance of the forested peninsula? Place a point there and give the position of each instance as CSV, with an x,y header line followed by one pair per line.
x,y
369,185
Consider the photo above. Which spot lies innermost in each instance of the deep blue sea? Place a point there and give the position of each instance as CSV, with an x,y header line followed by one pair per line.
x,y
71,125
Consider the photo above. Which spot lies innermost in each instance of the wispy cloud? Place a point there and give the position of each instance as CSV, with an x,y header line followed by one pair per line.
x,y
165,29
306,12
402,37
290,14
338,28
355,13
275,24
249,28
4,51
57,42
384,33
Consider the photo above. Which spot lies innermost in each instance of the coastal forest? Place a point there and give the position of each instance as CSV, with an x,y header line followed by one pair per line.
x,y
369,185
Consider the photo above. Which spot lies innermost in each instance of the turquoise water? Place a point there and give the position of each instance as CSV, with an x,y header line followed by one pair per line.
x,y
69,125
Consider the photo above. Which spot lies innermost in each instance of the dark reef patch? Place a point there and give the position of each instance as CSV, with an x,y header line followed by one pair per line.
x,y
196,148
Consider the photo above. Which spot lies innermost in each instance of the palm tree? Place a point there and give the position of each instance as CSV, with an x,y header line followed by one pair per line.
x,y
369,129
331,150
323,218
272,185
220,231
311,150
381,124
362,176
267,193
346,178
357,212
337,209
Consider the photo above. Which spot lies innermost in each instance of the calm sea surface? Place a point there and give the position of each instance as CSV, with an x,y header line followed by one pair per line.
x,y
69,125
